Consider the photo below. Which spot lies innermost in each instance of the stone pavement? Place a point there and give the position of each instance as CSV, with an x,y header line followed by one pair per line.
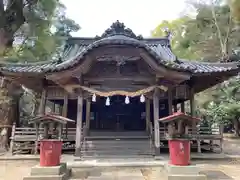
x,y
215,170
125,174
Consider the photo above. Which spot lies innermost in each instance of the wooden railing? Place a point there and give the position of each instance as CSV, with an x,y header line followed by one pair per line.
x,y
202,132
201,135
24,138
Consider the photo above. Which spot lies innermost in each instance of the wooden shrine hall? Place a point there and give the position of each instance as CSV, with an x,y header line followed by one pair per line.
x,y
116,87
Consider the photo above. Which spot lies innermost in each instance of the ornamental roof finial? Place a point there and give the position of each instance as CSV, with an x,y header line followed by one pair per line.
x,y
118,28
168,33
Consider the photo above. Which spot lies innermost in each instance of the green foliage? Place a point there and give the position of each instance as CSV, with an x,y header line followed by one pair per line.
x,y
209,35
225,106
41,33
181,44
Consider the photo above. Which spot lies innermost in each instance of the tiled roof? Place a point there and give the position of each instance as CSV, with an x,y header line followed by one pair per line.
x,y
178,116
204,67
158,48
28,68
51,117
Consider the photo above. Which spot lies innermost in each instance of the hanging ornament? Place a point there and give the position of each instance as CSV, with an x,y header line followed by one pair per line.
x,y
108,101
127,101
94,97
142,98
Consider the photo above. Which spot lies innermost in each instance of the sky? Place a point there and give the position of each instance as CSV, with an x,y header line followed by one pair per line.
x,y
142,16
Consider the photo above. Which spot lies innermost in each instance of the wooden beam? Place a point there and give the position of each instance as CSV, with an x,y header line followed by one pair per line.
x,y
156,123
120,78
115,50
79,124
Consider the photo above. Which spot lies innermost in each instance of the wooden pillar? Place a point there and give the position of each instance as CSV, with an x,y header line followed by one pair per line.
x,y
88,113
60,109
192,102
156,123
53,107
170,98
147,106
12,139
65,105
37,136
64,113
42,105
79,123
175,107
221,129
183,107
193,113
59,128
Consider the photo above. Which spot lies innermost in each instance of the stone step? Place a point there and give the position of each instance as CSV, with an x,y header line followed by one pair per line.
x,y
104,157
118,133
124,151
116,137
49,173
51,170
116,152
117,148
117,141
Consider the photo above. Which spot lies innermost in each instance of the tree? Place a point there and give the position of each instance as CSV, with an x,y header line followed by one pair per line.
x,y
208,36
181,44
225,107
26,33
34,39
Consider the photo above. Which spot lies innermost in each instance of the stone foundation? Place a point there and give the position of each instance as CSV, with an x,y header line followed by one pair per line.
x,y
184,172
49,173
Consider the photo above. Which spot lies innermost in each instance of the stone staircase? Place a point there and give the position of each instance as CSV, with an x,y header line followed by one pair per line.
x,y
117,145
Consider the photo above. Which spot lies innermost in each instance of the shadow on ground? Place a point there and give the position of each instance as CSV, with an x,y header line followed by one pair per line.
x,y
216,175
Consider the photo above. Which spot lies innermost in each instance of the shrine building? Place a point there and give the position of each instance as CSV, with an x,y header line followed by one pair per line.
x,y
118,85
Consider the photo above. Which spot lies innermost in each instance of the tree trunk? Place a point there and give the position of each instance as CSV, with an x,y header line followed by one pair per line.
x,y
6,41
236,127
9,97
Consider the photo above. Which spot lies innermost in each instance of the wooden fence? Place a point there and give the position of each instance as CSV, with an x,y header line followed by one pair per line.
x,y
23,139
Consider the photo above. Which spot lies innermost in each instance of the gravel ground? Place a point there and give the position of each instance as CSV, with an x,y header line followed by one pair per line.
x,y
15,170
215,170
